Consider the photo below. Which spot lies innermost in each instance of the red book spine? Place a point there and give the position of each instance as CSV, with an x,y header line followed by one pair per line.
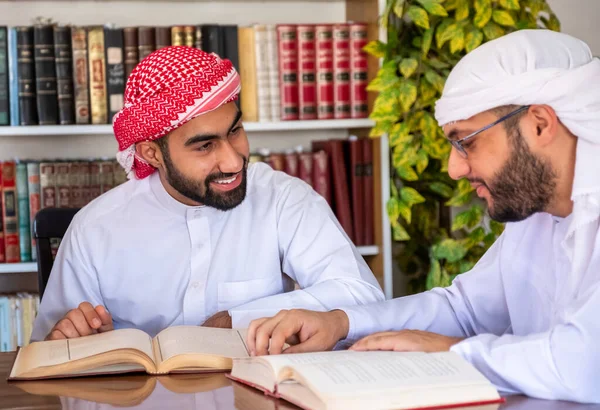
x,y
291,164
10,217
307,85
341,70
276,161
288,71
358,71
367,168
324,61
322,176
2,256
305,171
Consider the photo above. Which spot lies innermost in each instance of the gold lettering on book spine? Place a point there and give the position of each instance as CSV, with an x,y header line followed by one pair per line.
x,y
97,76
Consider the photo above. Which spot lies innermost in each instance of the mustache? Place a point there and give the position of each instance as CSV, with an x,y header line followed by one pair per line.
x,y
224,175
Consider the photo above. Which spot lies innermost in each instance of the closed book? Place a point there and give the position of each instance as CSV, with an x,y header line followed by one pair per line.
x,y
13,77
307,85
276,161
97,75
273,69
107,180
81,84
177,36
189,36
197,37
45,74
4,83
35,203
95,185
2,251
305,167
212,39
369,194
322,176
163,37
358,71
63,188
131,53
10,207
248,77
341,70
146,41
354,159
115,70
64,74
262,73
324,53
288,71
291,163
48,185
28,114
84,175
230,44
76,184
23,211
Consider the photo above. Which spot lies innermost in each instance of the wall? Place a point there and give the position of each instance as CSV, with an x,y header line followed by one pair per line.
x,y
580,18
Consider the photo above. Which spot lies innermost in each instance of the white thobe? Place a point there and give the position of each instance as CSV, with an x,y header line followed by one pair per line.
x,y
154,262
524,330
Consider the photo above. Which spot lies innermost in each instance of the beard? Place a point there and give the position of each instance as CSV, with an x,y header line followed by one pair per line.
x,y
524,186
201,191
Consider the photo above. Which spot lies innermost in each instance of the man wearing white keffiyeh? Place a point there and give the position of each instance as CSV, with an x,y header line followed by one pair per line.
x,y
523,115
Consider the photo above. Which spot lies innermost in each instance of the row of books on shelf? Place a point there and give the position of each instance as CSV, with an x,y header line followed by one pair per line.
x,y
28,186
61,74
17,313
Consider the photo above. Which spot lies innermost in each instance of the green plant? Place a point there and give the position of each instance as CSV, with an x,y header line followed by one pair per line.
x,y
426,38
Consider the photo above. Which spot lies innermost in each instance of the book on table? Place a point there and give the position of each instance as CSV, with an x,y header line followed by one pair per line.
x,y
176,349
375,380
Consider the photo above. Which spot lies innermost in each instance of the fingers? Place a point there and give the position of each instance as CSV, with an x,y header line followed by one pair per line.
x,y
379,341
284,331
313,344
67,328
79,322
85,320
105,318
55,334
264,332
91,316
251,336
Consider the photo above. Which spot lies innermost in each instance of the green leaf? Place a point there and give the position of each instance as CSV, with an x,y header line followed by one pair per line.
x,y
405,212
407,173
457,43
510,4
426,44
408,94
429,126
553,23
451,4
503,18
422,161
462,10
386,78
380,128
393,209
399,8
463,186
465,266
408,66
399,233
426,91
400,134
435,79
437,64
375,48
433,7
442,189
449,249
477,235
489,239
434,276
468,219
419,16
460,199
411,196
496,227
434,147
493,31
445,32
473,39
387,105
483,12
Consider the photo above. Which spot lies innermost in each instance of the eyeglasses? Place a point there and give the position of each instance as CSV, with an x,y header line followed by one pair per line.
x,y
458,144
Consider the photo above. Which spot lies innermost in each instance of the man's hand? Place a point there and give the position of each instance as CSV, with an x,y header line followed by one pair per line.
x,y
406,341
83,321
221,319
305,330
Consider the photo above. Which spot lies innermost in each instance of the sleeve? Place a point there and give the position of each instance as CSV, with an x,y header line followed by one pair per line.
x,y
560,364
318,256
71,282
473,304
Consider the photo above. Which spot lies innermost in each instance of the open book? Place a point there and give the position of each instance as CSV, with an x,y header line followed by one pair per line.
x,y
374,380
175,349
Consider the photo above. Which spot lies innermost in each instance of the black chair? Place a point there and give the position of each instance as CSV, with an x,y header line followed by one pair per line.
x,y
49,224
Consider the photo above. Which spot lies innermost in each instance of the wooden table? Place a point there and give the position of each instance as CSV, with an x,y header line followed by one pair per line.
x,y
182,392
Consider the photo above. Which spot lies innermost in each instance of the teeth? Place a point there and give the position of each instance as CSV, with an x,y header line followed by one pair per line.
x,y
225,181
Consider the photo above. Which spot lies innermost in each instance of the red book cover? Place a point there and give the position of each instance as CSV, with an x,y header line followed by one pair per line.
x,y
307,70
11,216
367,174
306,167
2,256
341,70
355,161
287,41
63,185
291,164
324,61
358,71
322,176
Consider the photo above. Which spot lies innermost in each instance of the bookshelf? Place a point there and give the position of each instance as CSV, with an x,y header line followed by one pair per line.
x,y
35,142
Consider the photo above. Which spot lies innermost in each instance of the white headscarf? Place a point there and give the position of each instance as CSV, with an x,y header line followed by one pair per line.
x,y
541,67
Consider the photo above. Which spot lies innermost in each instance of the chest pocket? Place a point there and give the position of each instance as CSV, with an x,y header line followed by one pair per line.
x,y
232,294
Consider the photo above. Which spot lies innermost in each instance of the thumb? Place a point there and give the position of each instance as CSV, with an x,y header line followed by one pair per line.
x,y
105,317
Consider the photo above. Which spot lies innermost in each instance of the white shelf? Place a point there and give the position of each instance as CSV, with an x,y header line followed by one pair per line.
x,y
32,266
29,130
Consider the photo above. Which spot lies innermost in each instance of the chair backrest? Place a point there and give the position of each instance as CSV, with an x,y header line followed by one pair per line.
x,y
49,224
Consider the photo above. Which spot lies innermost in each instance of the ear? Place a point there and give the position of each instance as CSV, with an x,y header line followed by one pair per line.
x,y
150,152
543,123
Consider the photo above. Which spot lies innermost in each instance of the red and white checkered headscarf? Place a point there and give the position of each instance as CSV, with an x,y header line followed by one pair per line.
x,y
166,89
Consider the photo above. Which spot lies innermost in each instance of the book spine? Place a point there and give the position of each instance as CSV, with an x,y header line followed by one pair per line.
x,y
341,70
324,45
106,176
45,74
13,77
276,161
288,71
97,75
64,74
198,37
84,175
75,185
81,84
115,71
358,71
355,179
23,201
307,85
367,173
273,68
248,75
211,39
305,168
33,188
95,182
130,40
61,171
3,324
163,37
26,74
230,42
47,185
177,36
291,164
322,175
189,36
146,42
2,253
11,212
262,73
4,83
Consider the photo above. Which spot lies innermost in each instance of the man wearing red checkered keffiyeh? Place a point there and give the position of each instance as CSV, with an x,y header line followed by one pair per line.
x,y
196,236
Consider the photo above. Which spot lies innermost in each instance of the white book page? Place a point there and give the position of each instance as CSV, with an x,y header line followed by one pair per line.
x,y
178,340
